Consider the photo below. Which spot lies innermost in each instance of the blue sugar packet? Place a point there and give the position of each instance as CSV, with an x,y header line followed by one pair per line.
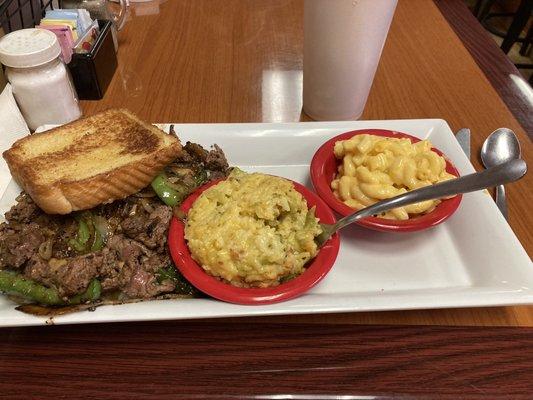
x,y
64,14
85,19
82,18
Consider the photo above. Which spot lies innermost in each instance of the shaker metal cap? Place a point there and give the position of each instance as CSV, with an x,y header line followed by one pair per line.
x,y
28,48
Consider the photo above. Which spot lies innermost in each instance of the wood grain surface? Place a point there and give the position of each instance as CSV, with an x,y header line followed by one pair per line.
x,y
203,360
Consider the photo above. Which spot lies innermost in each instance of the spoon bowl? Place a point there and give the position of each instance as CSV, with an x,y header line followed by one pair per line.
x,y
500,146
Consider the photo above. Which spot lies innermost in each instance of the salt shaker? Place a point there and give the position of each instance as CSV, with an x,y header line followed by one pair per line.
x,y
41,82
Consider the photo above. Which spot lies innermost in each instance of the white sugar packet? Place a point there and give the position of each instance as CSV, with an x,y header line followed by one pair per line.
x,y
12,127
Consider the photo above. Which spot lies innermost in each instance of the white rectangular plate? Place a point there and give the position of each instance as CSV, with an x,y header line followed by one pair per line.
x,y
472,260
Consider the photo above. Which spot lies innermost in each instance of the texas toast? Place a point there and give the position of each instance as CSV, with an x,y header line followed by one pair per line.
x,y
94,160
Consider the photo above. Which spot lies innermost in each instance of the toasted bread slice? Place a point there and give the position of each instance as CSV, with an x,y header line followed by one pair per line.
x,y
91,161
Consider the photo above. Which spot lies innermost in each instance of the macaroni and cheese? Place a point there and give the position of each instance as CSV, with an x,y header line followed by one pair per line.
x,y
252,230
375,168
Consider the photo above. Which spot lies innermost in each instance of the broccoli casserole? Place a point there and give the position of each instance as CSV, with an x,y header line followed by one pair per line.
x,y
252,230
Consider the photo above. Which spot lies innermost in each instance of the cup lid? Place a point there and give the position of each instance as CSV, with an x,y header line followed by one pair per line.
x,y
28,48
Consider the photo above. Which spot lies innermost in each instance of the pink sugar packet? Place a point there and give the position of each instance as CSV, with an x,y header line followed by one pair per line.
x,y
64,36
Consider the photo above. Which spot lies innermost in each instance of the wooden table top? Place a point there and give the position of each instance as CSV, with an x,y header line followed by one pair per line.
x,y
225,361
203,61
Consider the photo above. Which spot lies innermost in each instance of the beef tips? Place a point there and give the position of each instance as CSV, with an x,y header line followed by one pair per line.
x,y
155,261
121,257
126,249
18,243
149,228
197,152
133,268
143,284
24,211
216,160
213,160
70,276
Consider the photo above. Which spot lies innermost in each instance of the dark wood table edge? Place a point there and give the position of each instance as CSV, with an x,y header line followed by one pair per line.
x,y
494,63
197,359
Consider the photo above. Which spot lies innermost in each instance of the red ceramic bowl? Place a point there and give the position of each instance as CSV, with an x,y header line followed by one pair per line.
x,y
194,273
323,171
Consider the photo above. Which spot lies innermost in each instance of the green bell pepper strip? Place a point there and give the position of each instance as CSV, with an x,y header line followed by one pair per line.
x,y
201,177
169,272
84,233
87,230
169,195
98,242
16,284
80,248
182,286
82,237
92,293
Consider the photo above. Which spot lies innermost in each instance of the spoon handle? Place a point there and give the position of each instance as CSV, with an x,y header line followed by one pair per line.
x,y
498,175
501,201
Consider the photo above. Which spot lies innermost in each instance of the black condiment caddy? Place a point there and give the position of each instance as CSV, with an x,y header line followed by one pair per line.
x,y
92,72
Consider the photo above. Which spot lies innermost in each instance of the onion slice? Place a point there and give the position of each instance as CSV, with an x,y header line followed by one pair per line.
x,y
147,206
103,228
45,249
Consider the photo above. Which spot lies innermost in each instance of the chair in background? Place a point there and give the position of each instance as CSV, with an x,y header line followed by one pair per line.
x,y
19,14
519,22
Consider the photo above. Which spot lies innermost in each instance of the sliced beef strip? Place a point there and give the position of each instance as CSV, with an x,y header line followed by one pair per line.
x,y
24,211
149,229
184,157
216,160
143,284
214,175
70,276
127,250
19,243
135,272
114,273
156,233
197,152
134,225
156,261
128,264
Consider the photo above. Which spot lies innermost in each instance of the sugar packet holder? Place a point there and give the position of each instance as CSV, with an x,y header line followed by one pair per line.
x,y
93,70
85,43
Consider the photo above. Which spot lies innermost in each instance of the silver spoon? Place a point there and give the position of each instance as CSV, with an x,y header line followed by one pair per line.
x,y
498,175
502,145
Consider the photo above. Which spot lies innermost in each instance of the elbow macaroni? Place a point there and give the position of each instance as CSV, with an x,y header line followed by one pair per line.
x,y
375,168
